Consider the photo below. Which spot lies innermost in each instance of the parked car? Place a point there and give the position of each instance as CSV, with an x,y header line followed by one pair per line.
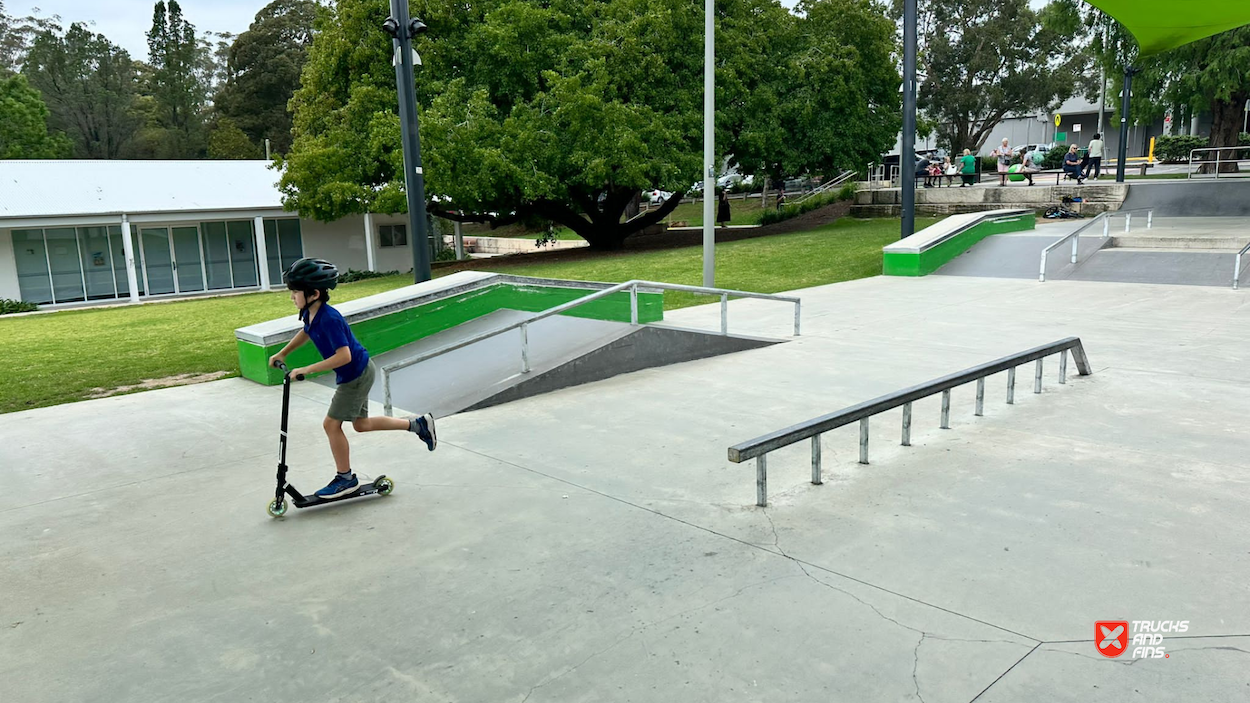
x,y
656,196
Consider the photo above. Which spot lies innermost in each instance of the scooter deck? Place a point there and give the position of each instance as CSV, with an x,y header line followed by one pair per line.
x,y
308,501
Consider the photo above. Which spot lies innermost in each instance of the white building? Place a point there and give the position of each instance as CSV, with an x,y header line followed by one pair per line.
x,y
193,227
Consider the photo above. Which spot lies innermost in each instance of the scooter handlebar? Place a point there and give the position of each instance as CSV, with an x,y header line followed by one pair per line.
x,y
281,366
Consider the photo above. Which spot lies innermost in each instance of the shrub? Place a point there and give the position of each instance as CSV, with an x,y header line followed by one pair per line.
x,y
846,192
1176,148
11,306
989,164
353,275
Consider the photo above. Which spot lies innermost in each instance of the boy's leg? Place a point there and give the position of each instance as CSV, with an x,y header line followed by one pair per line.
x,y
338,445
374,424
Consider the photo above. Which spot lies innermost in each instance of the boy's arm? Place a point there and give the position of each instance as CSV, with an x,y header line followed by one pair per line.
x,y
296,342
342,355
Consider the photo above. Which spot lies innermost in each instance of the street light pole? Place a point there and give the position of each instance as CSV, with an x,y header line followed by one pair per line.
x,y
1125,105
402,30
907,154
709,138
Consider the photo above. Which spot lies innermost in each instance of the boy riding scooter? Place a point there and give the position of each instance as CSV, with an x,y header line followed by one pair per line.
x,y
310,282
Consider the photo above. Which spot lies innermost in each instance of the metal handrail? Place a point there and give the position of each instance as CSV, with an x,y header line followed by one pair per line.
x,y
1105,218
1189,171
760,447
826,187
1237,266
631,286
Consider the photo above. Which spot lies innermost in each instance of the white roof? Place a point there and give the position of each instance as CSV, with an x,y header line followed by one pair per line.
x,y
94,187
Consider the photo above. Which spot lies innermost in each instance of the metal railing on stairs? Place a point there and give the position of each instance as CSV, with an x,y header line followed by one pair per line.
x,y
760,447
838,182
1105,219
631,286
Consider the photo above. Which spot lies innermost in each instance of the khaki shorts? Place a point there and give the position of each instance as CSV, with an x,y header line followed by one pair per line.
x,y
351,399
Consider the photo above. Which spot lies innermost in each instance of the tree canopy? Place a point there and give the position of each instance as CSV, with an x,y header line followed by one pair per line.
x,y
24,123
89,84
982,60
263,68
566,109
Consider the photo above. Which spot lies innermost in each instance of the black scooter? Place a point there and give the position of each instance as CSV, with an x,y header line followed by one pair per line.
x,y
278,506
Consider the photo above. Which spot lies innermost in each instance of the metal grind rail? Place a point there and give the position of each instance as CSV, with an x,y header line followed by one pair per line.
x,y
760,447
1105,219
631,286
1237,266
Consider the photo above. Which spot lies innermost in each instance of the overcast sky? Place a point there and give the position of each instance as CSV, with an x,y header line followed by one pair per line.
x,y
125,22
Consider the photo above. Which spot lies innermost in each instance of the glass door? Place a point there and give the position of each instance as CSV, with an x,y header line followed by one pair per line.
x,y
187,259
97,262
66,264
157,260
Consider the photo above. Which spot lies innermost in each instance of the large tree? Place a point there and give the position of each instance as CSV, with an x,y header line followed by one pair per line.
x,y
982,60
561,109
24,123
263,67
16,36
89,85
179,81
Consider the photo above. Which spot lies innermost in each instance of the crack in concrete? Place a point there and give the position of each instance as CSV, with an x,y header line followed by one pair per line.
x,y
915,664
1008,671
1204,649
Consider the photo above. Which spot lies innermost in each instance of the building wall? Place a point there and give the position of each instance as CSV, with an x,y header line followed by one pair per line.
x,y
8,268
341,242
393,258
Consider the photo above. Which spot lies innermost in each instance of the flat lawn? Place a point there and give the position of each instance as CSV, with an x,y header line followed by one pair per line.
x,y
69,355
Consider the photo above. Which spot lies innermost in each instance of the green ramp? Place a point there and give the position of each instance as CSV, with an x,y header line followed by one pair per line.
x,y
399,317
932,247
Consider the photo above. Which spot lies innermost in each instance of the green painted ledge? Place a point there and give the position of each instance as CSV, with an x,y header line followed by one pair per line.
x,y
407,323
933,247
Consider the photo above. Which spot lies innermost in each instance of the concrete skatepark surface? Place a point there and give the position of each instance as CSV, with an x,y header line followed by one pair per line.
x,y
594,543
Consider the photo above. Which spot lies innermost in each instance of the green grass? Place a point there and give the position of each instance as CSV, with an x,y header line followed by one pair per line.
x,y
61,357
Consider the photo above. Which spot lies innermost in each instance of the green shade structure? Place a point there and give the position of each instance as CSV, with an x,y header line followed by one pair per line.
x,y
1160,25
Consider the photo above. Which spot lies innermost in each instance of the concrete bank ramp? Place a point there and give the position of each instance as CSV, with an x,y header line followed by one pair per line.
x,y
563,351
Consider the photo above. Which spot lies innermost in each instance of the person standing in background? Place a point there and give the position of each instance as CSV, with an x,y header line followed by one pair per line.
x,y
1004,161
1095,156
968,171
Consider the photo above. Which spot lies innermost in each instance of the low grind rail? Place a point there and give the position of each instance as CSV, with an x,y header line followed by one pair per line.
x,y
760,447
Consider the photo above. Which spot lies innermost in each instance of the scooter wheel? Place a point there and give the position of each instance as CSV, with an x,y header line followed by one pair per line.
x,y
277,509
385,486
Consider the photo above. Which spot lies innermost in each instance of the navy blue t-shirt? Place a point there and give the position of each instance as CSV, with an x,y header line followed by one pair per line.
x,y
329,331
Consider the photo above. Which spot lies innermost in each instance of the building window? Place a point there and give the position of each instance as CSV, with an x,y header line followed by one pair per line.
x,y
393,235
283,246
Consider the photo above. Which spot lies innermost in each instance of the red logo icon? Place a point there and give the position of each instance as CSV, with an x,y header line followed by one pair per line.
x,y
1111,636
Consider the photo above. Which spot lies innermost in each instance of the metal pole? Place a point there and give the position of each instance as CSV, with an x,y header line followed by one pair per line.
x,y
724,314
386,390
709,139
1037,379
816,460
1063,367
907,424
1102,98
761,480
907,154
863,441
1011,385
414,175
798,308
980,397
946,409
1128,222
1124,111
525,349
633,304
1076,243
458,238
1150,219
